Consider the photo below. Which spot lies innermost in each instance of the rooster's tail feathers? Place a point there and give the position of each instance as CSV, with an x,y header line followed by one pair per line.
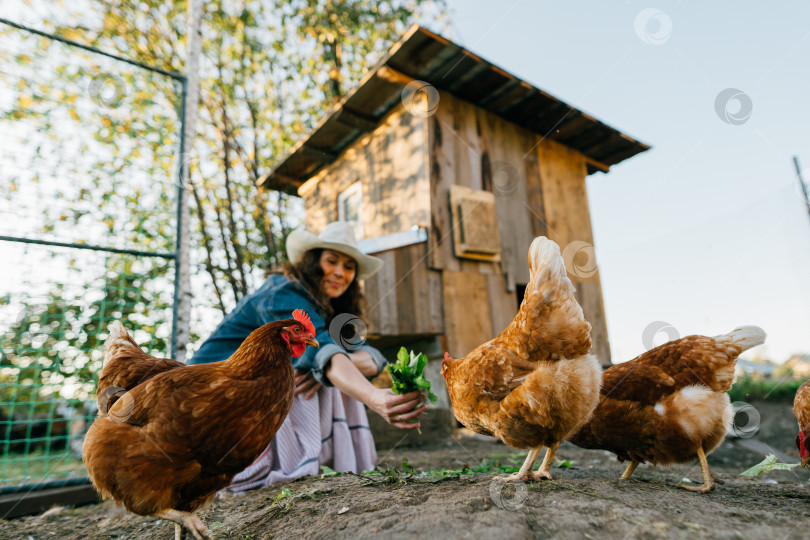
x,y
745,336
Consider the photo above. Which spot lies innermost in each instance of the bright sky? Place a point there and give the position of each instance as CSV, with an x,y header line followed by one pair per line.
x,y
707,230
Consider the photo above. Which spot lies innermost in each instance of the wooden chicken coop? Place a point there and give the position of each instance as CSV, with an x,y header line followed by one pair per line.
x,y
449,166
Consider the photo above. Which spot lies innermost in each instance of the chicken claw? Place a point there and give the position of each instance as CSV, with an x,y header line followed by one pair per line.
x,y
525,473
189,521
708,479
543,472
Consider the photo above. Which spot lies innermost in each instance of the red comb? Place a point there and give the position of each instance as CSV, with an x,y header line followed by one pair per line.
x,y
301,316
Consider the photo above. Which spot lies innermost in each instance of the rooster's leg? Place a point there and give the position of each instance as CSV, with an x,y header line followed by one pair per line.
x,y
179,532
523,474
543,472
188,521
708,479
628,472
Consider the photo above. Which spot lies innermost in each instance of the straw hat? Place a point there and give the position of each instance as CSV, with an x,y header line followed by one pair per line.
x,y
337,236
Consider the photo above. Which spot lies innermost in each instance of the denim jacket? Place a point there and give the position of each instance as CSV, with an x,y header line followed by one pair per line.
x,y
273,301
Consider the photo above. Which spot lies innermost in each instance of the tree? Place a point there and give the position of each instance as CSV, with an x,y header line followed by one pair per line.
x,y
269,71
103,137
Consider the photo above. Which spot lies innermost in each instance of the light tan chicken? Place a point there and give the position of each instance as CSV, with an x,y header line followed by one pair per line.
x,y
536,383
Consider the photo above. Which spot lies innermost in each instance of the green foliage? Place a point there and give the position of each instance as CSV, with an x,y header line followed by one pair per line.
x,y
407,374
269,70
767,465
755,389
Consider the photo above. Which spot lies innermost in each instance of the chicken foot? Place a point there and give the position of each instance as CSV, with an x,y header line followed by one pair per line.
x,y
628,472
189,521
543,472
523,474
708,479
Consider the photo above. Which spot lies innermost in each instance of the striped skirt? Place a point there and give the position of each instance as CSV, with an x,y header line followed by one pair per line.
x,y
328,429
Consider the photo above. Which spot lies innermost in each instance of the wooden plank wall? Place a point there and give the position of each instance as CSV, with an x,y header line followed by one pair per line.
x,y
391,162
473,148
540,190
568,219
404,298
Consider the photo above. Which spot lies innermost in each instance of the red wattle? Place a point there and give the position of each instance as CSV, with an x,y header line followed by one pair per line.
x,y
298,349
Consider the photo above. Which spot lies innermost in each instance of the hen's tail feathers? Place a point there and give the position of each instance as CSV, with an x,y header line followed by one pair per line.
x,y
550,319
745,337
544,253
119,342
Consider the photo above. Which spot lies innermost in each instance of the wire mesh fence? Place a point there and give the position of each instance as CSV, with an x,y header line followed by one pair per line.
x,y
88,182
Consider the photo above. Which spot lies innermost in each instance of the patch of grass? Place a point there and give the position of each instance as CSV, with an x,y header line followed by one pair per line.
x,y
756,389
284,501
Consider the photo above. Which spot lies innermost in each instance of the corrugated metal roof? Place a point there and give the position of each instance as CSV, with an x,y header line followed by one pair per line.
x,y
425,56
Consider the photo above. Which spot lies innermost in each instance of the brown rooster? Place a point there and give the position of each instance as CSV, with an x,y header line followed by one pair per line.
x,y
169,436
669,404
536,383
801,408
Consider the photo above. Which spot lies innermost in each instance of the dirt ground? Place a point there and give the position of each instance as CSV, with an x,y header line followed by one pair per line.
x,y
583,501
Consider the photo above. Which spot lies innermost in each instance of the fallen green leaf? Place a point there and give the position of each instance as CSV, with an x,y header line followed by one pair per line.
x,y
326,471
767,465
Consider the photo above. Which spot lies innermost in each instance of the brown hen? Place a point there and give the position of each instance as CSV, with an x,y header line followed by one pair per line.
x,y
169,435
669,404
536,383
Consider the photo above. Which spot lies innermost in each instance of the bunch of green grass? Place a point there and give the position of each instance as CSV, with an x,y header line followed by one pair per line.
x,y
755,389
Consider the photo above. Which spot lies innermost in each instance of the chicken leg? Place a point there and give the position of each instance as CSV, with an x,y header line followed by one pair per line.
x,y
628,472
543,472
187,520
708,479
523,474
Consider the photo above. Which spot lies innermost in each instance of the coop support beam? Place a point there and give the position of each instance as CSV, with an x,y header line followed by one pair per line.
x,y
597,164
355,120
392,75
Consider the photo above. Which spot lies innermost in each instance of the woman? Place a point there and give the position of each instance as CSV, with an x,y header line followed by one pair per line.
x,y
327,424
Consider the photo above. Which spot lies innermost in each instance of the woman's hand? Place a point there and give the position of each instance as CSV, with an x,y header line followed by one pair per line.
x,y
398,410
305,382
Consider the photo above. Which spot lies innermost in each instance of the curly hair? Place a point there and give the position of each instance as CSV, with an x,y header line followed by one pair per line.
x,y
309,273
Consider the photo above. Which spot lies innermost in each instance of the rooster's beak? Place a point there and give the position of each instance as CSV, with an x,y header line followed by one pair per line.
x,y
312,341
805,461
